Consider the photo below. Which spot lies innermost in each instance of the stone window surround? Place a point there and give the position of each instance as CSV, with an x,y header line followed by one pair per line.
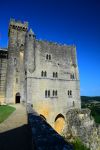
x,y
70,93
43,73
48,93
48,56
55,75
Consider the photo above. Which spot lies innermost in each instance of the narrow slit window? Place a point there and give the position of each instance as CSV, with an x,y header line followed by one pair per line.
x,y
68,92
56,93
42,73
49,93
46,93
53,92
53,74
45,73
56,74
47,56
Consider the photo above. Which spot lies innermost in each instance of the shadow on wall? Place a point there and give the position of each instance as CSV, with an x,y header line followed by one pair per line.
x,y
44,136
16,139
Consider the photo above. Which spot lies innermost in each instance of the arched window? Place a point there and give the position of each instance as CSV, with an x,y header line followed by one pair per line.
x,y
56,93
45,73
70,92
46,93
53,74
47,56
56,74
73,76
49,93
53,93
42,73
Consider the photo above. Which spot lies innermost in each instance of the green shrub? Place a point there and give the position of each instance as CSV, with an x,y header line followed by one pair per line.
x,y
78,145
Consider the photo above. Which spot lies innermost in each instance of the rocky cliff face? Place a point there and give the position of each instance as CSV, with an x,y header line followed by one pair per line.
x,y
79,124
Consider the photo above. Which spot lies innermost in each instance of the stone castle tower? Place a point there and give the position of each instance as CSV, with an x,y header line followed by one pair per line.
x,y
42,73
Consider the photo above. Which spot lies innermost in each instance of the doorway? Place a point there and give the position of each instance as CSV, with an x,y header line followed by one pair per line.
x,y
17,98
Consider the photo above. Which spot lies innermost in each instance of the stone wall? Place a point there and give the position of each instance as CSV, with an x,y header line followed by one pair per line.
x,y
3,71
44,137
63,61
79,124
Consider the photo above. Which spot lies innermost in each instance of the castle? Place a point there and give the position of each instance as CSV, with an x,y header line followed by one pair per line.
x,y
42,73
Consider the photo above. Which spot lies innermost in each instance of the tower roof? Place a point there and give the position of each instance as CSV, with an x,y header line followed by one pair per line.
x,y
31,32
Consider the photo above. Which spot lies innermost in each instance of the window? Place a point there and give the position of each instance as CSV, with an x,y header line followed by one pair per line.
x,y
43,74
56,93
48,57
49,93
70,94
55,75
72,76
53,93
46,93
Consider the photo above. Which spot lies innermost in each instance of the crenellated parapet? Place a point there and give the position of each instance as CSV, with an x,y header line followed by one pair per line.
x,y
18,25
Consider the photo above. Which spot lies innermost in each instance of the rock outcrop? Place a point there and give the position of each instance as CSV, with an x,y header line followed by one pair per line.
x,y
80,124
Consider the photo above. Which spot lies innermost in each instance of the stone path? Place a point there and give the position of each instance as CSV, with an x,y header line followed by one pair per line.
x,y
14,131
16,119
16,134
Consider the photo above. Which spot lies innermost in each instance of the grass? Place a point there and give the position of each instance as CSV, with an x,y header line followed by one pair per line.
x,y
5,111
78,145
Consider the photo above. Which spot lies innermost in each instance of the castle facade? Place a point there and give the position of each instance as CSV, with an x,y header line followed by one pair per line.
x,y
42,73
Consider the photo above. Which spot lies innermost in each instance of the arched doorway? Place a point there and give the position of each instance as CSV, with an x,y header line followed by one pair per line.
x,y
17,98
42,117
59,123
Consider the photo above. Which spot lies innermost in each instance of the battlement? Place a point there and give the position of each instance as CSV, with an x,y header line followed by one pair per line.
x,y
18,25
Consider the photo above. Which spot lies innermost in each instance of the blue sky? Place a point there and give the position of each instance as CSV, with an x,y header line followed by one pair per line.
x,y
64,21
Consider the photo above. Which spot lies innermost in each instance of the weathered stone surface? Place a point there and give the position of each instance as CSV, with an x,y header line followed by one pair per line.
x,y
81,125
27,58
44,137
